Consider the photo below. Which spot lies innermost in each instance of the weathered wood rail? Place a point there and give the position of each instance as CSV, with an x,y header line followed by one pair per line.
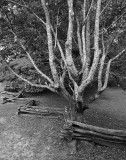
x,y
97,135
43,111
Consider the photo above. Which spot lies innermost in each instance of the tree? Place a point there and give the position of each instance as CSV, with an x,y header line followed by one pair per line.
x,y
69,75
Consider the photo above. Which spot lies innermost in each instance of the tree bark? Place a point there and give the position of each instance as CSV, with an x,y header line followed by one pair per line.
x,y
108,71
97,51
50,45
68,45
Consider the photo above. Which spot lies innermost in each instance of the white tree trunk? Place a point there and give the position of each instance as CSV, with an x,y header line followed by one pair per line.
x,y
68,45
96,52
102,61
50,45
108,70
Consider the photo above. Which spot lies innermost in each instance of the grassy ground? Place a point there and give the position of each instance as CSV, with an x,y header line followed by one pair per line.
x,y
37,138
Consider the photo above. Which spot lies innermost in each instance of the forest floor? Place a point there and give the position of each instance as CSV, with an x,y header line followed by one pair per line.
x,y
31,137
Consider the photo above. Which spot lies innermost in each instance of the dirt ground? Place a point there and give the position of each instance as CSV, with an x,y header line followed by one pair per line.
x,y
31,137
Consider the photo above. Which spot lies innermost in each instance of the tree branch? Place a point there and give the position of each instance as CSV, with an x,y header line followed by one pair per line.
x,y
40,19
114,22
59,46
27,81
118,55
23,47
108,69
56,29
50,44
88,39
105,7
63,89
68,45
84,38
88,11
102,62
33,63
96,52
79,38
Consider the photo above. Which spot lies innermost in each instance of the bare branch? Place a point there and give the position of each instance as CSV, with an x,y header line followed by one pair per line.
x,y
50,44
84,10
103,44
57,21
40,19
112,23
88,42
68,45
108,69
88,11
85,40
84,48
118,55
102,62
64,60
23,47
83,36
58,43
59,46
106,76
111,42
33,63
96,47
27,81
64,91
79,37
105,7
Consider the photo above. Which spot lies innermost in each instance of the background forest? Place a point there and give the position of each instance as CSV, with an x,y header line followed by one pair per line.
x,y
32,33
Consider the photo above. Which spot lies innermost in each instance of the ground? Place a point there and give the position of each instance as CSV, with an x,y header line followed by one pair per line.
x,y
28,137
